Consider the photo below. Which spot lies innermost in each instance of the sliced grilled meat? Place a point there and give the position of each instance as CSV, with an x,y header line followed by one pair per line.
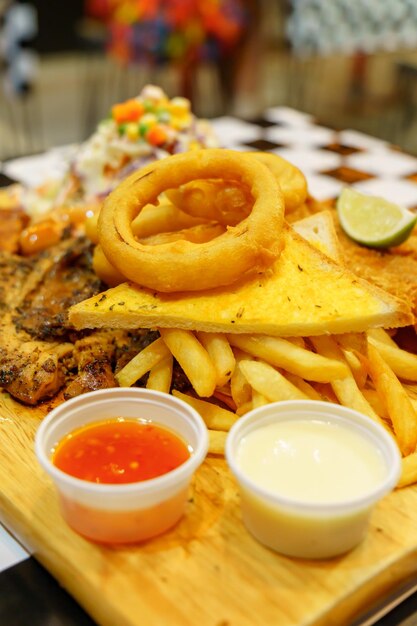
x,y
70,279
34,295
102,353
14,273
31,371
94,355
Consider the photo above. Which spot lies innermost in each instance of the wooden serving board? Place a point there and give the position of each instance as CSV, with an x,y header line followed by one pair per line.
x,y
208,570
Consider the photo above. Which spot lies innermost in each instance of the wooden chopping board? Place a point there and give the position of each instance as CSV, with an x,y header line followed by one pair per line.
x,y
208,571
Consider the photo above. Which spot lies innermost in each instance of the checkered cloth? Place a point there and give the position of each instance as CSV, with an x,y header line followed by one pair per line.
x,y
329,159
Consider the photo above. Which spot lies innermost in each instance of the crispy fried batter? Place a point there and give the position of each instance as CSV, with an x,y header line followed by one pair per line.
x,y
394,270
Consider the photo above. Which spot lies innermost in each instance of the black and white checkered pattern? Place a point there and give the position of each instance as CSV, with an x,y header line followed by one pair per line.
x,y
329,159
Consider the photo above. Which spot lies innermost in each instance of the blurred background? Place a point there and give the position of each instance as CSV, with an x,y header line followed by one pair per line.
x,y
351,63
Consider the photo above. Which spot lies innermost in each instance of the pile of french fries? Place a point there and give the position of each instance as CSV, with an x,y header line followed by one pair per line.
x,y
367,372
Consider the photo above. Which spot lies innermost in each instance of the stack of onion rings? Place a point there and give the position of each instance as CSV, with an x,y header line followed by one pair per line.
x,y
227,201
245,249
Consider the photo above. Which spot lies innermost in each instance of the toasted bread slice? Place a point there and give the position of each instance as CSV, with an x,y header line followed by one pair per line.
x,y
320,231
303,293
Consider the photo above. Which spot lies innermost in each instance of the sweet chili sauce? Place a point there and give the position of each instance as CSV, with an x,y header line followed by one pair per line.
x,y
120,450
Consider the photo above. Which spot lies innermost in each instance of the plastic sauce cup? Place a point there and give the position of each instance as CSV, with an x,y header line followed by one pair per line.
x,y
129,512
313,525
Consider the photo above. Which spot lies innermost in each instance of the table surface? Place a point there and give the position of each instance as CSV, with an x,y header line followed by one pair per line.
x,y
330,160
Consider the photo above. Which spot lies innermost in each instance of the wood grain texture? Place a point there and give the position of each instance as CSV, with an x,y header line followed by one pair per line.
x,y
208,570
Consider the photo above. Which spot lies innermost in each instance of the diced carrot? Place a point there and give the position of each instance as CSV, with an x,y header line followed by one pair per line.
x,y
40,236
156,135
129,111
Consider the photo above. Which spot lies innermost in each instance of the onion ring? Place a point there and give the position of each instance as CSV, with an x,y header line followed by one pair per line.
x,y
245,249
227,202
196,234
291,180
105,270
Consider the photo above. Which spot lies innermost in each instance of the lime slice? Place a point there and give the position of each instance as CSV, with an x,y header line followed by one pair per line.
x,y
373,221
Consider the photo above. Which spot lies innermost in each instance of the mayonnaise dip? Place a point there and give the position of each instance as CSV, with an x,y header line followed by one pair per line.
x,y
310,474
311,460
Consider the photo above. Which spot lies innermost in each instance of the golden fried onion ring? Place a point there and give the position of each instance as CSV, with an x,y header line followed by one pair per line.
x,y
247,248
227,202
224,201
291,180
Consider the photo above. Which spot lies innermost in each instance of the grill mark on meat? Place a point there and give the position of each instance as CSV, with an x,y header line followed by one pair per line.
x,y
14,272
70,279
102,354
31,371
94,355
34,295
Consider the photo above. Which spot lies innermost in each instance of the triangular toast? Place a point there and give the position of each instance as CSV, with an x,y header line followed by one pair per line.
x,y
303,293
319,230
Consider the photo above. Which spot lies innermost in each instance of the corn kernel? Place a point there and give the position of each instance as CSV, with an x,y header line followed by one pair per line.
x,y
194,145
132,131
180,106
180,122
149,119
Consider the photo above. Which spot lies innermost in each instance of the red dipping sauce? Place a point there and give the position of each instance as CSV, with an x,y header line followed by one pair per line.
x,y
120,450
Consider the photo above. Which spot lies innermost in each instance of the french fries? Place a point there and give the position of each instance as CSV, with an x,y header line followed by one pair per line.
x,y
160,376
196,234
303,386
381,335
217,441
354,342
403,363
221,354
193,358
239,386
237,373
398,405
162,218
142,363
346,389
215,417
357,367
409,470
291,357
258,399
269,382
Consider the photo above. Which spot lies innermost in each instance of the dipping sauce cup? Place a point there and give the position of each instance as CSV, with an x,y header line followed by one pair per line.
x,y
309,474
128,512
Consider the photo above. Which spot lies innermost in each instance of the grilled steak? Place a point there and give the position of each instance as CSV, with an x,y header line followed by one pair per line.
x,y
31,371
94,356
40,353
69,279
35,293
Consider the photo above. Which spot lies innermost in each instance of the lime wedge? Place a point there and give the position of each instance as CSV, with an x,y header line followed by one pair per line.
x,y
373,221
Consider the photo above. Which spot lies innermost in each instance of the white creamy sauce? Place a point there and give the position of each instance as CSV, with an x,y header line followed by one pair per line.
x,y
311,461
